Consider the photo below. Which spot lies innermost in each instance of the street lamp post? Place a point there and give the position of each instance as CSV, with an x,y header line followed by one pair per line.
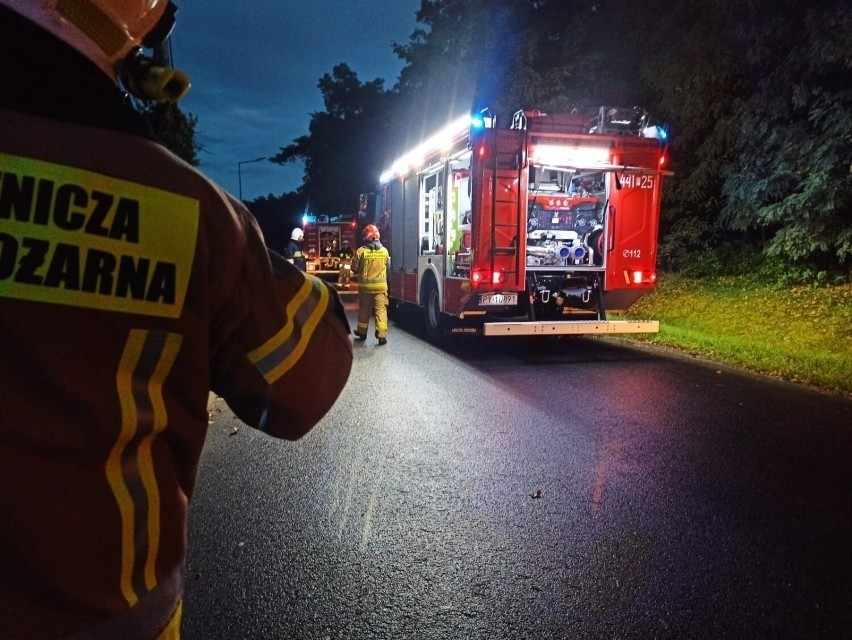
x,y
240,172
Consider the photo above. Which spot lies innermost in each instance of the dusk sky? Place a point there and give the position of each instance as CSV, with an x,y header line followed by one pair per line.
x,y
254,68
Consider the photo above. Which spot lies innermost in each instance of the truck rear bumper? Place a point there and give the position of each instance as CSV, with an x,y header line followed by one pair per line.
x,y
569,327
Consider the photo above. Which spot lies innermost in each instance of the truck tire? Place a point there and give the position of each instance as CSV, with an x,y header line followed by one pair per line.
x,y
432,304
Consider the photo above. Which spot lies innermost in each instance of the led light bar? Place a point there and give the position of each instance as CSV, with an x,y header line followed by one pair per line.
x,y
441,141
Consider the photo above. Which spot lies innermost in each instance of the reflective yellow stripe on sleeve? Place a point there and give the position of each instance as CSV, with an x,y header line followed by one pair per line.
x,y
280,353
145,363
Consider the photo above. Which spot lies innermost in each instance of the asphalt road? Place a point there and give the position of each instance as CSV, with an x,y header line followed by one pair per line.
x,y
576,488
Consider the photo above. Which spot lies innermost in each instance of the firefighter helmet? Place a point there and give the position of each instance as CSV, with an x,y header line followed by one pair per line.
x,y
110,33
371,232
297,234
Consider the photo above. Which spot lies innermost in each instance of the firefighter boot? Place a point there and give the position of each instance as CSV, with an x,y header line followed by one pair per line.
x,y
380,308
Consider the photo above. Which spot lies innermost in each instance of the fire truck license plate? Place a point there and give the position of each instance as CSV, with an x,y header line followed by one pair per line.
x,y
498,298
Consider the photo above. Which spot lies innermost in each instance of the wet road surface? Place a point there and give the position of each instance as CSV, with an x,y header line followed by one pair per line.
x,y
575,488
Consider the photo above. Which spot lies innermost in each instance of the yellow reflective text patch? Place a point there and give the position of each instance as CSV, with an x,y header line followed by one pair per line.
x,y
75,237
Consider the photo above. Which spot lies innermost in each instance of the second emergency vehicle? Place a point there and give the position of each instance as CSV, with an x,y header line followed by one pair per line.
x,y
325,235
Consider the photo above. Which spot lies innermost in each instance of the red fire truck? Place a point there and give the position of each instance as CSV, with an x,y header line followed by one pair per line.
x,y
536,228
324,235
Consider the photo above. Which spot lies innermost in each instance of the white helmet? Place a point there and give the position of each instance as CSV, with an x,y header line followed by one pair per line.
x,y
297,234
108,32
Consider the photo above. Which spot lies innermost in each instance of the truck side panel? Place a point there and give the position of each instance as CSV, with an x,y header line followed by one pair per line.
x,y
402,203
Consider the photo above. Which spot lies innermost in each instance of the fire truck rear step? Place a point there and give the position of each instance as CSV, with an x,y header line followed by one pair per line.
x,y
570,327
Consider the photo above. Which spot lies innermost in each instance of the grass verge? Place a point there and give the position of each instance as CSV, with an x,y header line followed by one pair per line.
x,y
802,334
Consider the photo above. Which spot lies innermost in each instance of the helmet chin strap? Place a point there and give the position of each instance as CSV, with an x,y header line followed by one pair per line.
x,y
145,79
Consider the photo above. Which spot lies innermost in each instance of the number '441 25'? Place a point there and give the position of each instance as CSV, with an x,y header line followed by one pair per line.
x,y
636,181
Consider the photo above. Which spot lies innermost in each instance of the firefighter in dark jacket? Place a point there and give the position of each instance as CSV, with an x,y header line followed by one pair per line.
x,y
293,253
371,264
131,286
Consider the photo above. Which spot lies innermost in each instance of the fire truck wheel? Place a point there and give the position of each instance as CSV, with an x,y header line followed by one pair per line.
x,y
432,302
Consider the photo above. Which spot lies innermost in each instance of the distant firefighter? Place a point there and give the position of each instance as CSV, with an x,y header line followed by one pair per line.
x,y
294,253
344,273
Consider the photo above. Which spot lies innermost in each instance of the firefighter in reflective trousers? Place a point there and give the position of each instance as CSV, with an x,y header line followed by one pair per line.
x,y
130,286
370,264
344,272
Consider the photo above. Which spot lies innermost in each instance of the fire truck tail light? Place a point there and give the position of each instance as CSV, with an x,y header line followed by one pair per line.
x,y
662,161
478,277
644,277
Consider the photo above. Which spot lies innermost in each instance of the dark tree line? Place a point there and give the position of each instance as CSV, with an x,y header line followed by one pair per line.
x,y
339,150
755,93
759,102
